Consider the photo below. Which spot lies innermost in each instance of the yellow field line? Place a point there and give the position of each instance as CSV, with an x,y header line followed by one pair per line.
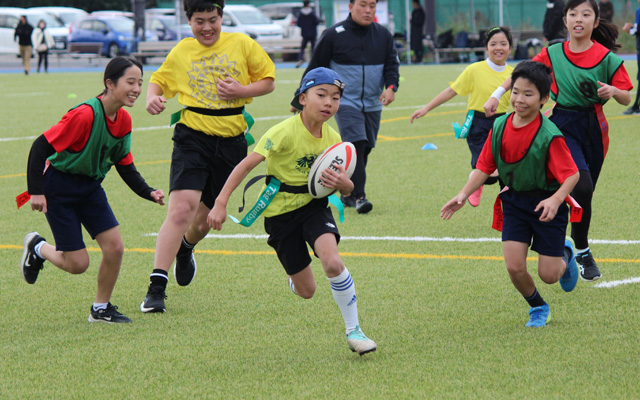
x,y
411,256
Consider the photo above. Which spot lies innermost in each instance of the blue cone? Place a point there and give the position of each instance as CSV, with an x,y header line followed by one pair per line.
x,y
429,146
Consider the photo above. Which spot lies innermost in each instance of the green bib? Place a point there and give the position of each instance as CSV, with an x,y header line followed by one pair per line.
x,y
101,151
530,172
577,86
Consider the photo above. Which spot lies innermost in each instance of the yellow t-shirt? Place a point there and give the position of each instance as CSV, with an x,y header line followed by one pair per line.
x,y
290,149
479,81
192,71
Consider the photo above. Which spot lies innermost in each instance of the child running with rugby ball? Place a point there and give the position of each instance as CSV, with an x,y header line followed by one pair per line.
x,y
75,155
294,218
586,74
478,81
535,165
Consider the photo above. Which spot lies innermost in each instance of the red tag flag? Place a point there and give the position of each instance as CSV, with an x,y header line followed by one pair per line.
x,y
22,199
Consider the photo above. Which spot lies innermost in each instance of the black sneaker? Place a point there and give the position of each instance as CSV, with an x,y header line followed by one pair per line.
x,y
109,315
185,269
31,264
363,205
348,201
631,111
154,301
588,269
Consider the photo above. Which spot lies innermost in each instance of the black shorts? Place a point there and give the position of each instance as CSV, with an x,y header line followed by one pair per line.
x,y
289,233
522,224
204,162
74,201
477,136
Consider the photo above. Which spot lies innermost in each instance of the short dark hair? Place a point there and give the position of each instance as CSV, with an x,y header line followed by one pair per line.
x,y
117,67
193,6
494,31
537,73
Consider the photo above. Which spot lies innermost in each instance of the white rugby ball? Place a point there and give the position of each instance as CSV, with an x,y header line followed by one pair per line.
x,y
344,154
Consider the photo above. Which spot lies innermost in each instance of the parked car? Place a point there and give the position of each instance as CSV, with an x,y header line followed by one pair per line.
x,y
285,15
166,27
112,13
66,14
115,34
9,17
250,21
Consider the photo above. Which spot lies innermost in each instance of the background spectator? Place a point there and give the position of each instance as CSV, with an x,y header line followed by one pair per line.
x,y
606,10
308,22
417,23
23,33
553,28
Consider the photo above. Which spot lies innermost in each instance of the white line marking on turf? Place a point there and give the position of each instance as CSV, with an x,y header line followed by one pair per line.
x,y
403,238
11,139
617,283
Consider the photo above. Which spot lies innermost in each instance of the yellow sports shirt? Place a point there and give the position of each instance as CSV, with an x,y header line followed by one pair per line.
x,y
479,81
192,71
290,149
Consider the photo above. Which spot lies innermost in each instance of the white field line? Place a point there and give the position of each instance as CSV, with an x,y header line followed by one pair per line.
x,y
617,283
403,238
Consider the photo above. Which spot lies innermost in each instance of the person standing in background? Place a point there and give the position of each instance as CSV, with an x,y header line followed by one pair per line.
x,y
417,22
606,10
308,22
632,29
23,33
44,41
553,28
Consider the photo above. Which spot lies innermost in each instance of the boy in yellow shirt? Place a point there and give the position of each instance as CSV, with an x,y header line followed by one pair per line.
x,y
214,75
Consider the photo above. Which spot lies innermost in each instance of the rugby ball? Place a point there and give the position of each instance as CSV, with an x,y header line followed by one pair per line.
x,y
344,154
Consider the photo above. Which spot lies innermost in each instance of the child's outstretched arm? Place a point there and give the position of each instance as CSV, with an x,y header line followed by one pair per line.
x,y
155,99
337,180
550,205
130,175
440,99
476,180
218,214
607,91
491,106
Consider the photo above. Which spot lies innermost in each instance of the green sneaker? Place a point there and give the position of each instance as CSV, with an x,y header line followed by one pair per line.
x,y
359,343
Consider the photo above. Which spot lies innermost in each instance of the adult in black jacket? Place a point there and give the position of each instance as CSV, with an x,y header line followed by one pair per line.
x,y
23,33
417,22
553,26
363,53
308,22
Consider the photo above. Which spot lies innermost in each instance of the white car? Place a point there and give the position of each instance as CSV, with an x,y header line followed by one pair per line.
x,y
9,17
66,14
250,21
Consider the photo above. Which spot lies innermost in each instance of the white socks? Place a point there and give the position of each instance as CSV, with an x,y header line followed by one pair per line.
x,y
344,293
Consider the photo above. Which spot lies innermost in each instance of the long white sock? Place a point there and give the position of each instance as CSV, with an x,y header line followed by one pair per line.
x,y
344,293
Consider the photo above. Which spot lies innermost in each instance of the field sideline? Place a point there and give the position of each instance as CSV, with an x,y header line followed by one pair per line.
x,y
433,294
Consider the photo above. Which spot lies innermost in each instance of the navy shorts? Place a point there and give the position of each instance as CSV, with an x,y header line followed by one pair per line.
x,y
289,233
204,162
521,224
478,134
584,139
356,125
74,201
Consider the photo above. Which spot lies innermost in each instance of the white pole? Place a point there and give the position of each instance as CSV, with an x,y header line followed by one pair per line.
x,y
500,13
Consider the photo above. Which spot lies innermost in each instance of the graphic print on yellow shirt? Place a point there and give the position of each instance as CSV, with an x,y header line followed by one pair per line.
x,y
192,72
290,150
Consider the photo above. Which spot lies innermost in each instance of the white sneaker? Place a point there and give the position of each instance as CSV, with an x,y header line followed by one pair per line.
x,y
359,343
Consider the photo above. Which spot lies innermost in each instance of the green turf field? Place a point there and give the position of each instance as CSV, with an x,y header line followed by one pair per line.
x,y
447,320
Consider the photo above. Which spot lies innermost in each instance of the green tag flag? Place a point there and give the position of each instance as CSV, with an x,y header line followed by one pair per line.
x,y
337,203
175,117
263,202
250,121
462,132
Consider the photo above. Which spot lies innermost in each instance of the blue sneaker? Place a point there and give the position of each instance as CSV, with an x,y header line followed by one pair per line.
x,y
538,316
570,278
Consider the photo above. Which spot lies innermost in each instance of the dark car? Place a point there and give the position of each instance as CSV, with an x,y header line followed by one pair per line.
x,y
166,27
115,34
